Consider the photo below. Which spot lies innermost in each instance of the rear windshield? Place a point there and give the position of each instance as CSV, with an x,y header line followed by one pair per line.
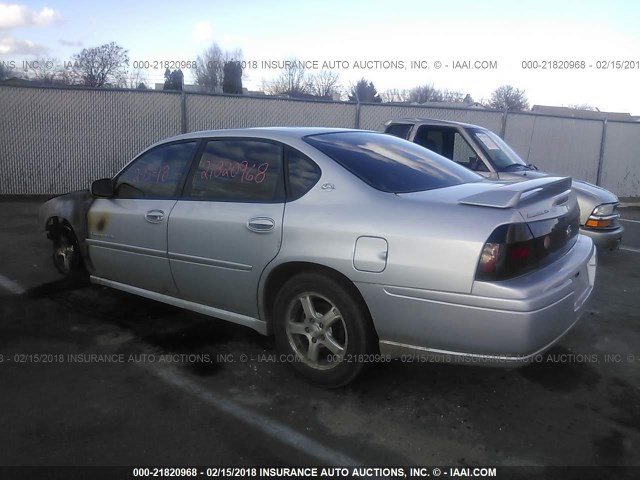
x,y
391,164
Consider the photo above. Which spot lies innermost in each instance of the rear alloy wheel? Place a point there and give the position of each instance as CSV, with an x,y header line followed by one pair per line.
x,y
66,253
323,331
316,331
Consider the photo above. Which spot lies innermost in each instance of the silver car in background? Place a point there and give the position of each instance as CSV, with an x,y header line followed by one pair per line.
x,y
349,246
484,152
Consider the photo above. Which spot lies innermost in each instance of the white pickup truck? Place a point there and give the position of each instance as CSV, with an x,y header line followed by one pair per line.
x,y
486,153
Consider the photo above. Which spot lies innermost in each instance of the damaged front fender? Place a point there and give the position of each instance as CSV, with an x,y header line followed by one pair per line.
x,y
70,209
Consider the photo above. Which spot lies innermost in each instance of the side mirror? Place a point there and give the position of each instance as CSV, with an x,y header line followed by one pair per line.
x,y
102,188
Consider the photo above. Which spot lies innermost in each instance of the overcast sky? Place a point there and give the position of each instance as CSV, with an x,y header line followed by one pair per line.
x,y
506,32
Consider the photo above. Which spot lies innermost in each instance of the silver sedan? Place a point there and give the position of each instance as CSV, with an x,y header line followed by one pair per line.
x,y
348,246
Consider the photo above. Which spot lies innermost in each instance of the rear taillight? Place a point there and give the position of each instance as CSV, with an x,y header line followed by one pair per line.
x,y
490,258
517,248
508,252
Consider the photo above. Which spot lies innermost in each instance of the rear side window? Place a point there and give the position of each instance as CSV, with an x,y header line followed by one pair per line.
x,y
303,174
390,164
239,171
156,173
400,130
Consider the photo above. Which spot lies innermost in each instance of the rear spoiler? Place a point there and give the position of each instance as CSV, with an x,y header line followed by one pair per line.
x,y
510,195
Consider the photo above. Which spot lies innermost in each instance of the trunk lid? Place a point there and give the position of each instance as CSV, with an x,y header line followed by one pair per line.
x,y
550,212
547,205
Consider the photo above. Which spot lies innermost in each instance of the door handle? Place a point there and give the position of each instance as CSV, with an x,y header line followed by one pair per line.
x,y
154,216
261,224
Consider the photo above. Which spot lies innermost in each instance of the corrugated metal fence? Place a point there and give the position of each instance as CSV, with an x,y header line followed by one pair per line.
x,y
56,140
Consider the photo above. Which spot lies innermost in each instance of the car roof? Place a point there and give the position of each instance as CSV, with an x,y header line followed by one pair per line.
x,y
433,121
273,133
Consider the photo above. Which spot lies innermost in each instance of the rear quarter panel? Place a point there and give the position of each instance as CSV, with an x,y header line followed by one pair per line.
x,y
433,242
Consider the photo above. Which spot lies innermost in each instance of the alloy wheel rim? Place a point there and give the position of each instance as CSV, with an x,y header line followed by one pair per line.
x,y
316,331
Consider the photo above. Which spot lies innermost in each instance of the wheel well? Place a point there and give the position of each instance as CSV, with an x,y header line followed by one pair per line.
x,y
285,271
55,223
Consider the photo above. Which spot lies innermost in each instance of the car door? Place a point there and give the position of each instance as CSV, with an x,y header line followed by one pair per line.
x,y
228,225
128,232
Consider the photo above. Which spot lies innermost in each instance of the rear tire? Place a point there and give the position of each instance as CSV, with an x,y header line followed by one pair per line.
x,y
323,330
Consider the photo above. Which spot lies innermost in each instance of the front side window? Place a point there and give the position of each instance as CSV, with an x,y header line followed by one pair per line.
x,y
156,173
389,163
239,171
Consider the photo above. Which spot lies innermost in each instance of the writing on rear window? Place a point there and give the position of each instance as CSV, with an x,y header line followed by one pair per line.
x,y
241,171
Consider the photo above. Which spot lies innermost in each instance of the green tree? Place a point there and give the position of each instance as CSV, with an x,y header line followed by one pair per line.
x,y
173,80
364,92
232,79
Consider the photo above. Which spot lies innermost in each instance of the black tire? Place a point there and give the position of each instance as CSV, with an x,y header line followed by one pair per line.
x,y
66,254
309,336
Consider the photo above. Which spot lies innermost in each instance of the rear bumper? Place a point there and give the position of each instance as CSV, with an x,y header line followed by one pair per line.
x,y
504,323
604,239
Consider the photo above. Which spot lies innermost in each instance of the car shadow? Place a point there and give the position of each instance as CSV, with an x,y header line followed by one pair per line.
x,y
57,286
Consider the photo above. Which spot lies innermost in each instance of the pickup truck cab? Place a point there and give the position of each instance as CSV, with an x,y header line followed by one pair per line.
x,y
484,152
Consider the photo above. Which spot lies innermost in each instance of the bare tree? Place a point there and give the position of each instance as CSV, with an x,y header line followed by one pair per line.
x,y
452,96
425,93
209,73
583,106
507,97
45,70
67,76
135,79
395,95
292,81
101,66
6,71
324,83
